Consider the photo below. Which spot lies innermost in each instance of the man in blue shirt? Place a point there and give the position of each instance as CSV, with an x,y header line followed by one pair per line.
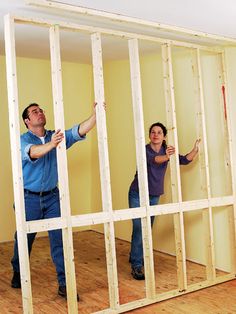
x,y
39,164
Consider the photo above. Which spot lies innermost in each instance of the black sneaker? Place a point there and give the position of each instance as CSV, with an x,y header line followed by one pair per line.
x,y
15,282
62,292
137,273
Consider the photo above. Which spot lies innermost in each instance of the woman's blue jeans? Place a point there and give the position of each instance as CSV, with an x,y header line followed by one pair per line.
x,y
44,207
136,253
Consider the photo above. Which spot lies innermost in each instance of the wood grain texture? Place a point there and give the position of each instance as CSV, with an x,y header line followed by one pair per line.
x,y
91,277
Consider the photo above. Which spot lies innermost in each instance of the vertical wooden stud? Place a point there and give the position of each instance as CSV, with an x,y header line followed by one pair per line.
x,y
104,169
17,164
62,170
204,165
174,165
228,117
142,165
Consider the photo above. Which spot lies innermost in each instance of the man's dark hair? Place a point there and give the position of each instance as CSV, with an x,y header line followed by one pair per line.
x,y
25,114
164,129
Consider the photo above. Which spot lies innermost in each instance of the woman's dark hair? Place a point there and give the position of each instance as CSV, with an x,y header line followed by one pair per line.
x,y
25,112
164,129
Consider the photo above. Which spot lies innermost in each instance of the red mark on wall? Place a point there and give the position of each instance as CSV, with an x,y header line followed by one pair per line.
x,y
224,99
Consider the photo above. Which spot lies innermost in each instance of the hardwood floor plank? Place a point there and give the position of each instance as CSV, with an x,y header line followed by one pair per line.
x,y
91,276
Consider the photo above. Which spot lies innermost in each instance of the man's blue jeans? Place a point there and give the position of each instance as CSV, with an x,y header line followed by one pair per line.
x,y
136,253
43,207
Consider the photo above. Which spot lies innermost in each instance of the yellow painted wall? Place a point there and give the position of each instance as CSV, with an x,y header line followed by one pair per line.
x,y
35,85
122,146
34,82
7,219
219,171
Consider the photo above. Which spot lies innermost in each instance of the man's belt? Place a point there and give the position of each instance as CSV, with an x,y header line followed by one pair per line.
x,y
43,193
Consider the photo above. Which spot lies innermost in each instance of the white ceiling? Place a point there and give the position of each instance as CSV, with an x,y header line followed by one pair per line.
x,y
210,16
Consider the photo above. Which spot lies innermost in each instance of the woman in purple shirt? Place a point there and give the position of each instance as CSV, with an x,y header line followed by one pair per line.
x,y
158,155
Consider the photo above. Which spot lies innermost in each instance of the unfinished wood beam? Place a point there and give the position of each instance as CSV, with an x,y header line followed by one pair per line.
x,y
229,157
204,165
108,216
104,170
122,34
122,19
174,165
62,170
141,165
125,214
124,308
13,109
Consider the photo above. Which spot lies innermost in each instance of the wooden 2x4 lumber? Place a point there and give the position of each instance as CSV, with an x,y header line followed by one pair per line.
x,y
222,87
28,308
104,169
204,166
136,90
126,19
13,105
62,170
46,224
228,130
174,165
187,206
126,214
92,29
168,295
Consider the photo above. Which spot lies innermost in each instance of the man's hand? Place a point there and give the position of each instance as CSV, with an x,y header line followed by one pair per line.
x,y
57,137
95,104
88,124
38,151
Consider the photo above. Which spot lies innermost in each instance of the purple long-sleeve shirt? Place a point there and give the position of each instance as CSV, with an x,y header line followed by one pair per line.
x,y
156,172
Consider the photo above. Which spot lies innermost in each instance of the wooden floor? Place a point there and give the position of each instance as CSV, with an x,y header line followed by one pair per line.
x,y
92,281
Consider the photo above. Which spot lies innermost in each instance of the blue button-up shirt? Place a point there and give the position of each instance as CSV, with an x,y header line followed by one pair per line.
x,y
41,174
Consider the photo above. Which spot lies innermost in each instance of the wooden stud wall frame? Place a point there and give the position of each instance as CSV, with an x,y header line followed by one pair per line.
x,y
108,216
